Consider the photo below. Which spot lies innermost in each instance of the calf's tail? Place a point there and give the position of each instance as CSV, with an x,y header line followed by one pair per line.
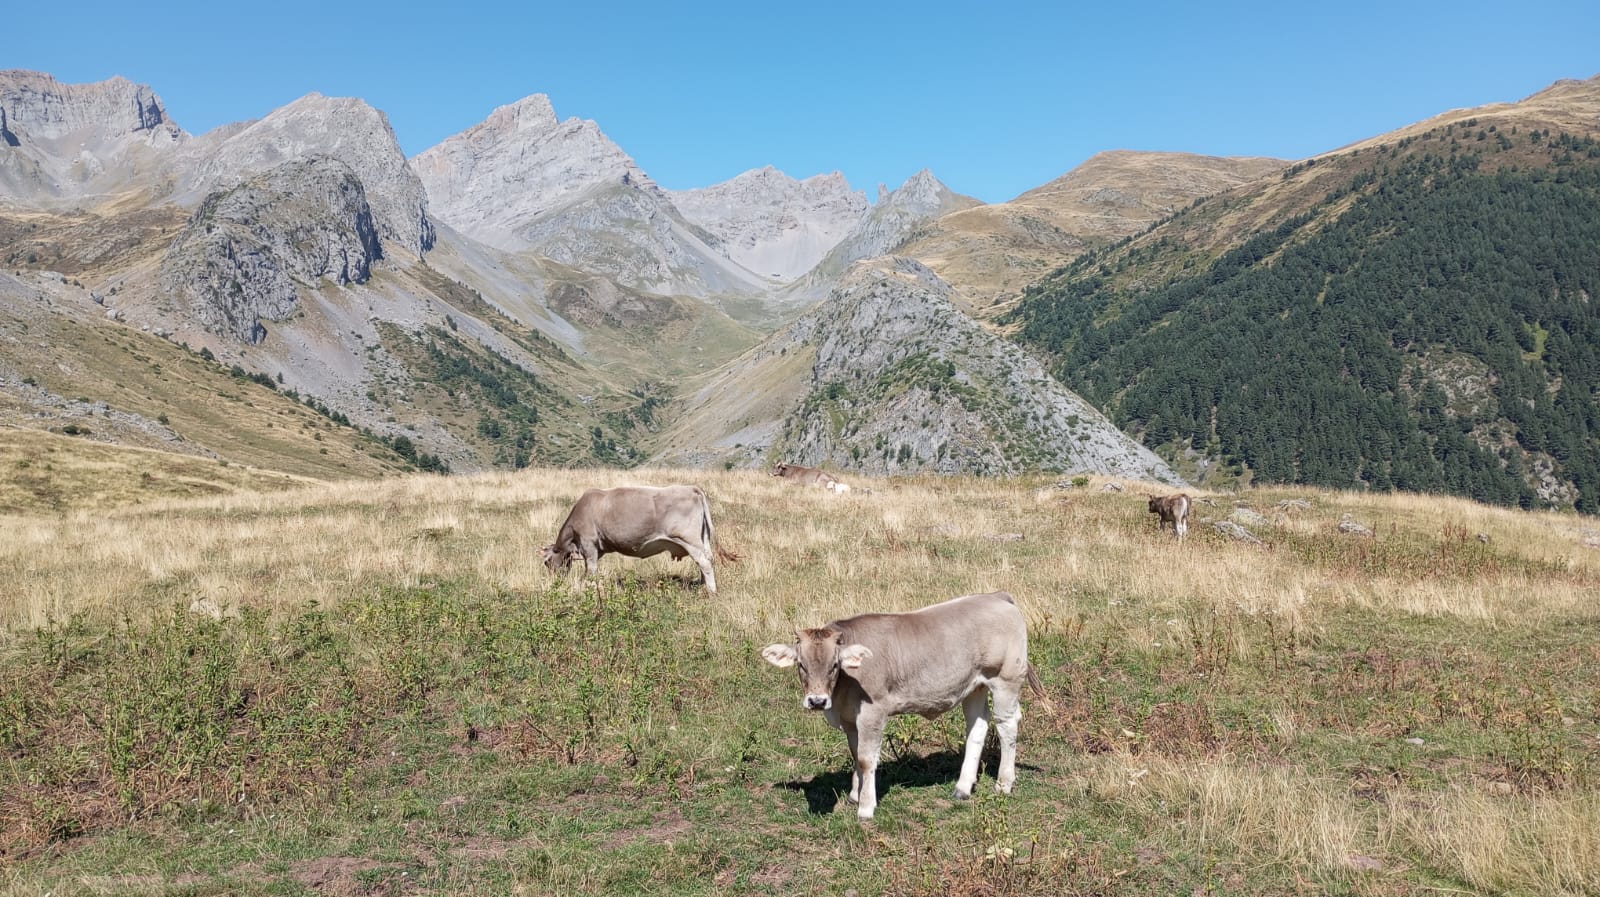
x,y
708,532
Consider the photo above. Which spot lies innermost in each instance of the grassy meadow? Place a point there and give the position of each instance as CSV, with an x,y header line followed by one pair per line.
x,y
374,687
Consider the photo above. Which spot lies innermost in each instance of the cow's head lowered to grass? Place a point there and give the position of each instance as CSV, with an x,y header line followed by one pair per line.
x,y
820,655
558,561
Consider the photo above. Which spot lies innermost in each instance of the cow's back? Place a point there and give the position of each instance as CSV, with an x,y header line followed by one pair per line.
x,y
629,516
924,660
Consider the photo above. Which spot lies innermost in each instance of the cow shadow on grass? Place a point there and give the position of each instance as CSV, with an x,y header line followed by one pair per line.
x,y
941,769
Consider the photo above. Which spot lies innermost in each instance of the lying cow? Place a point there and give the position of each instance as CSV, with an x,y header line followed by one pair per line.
x,y
637,521
865,669
810,476
1173,509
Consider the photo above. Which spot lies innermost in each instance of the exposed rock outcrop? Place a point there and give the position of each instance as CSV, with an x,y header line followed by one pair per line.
x,y
904,381
343,128
890,223
247,250
773,224
524,180
63,142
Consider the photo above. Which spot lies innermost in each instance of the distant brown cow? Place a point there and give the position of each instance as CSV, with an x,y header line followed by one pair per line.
x,y
862,670
810,476
637,521
1173,509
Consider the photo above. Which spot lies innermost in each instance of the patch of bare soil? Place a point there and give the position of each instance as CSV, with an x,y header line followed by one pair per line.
x,y
336,876
663,829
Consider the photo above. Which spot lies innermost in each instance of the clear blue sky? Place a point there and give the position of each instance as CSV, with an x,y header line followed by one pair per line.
x,y
995,101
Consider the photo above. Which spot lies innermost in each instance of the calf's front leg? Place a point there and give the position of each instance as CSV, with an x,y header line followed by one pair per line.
x,y
869,731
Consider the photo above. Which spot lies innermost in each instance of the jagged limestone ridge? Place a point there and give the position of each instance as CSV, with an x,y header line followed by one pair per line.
x,y
247,250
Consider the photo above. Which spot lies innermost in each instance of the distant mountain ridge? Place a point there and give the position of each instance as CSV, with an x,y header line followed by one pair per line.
x,y
525,293
773,224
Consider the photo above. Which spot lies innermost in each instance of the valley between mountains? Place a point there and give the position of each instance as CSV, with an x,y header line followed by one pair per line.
x,y
525,294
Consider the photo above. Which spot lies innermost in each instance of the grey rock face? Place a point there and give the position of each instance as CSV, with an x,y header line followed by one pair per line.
x,y
518,165
523,180
343,128
890,223
773,224
62,142
247,250
904,381
44,108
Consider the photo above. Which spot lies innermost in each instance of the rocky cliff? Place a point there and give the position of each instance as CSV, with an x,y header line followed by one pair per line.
x,y
248,251
524,180
64,142
773,224
343,128
905,382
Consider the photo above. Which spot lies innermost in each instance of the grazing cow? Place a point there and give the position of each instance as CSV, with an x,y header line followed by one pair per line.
x,y
637,521
810,476
1173,509
865,669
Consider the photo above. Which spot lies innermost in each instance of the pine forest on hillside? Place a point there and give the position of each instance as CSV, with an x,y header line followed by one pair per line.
x,y
1432,326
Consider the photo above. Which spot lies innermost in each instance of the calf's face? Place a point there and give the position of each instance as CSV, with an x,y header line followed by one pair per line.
x,y
819,655
780,470
555,561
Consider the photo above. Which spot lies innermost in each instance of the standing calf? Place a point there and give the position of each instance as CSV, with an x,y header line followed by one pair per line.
x,y
862,670
1173,509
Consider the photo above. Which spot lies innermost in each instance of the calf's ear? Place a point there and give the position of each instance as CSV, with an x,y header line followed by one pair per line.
x,y
851,656
780,655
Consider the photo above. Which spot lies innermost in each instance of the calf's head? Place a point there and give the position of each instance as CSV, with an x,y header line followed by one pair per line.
x,y
780,470
820,656
556,561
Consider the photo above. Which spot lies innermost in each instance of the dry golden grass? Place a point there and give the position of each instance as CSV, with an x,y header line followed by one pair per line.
x,y
1087,562
43,471
1534,844
808,555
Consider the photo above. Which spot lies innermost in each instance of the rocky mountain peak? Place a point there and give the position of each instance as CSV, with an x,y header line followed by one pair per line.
x,y
517,165
343,128
889,224
249,249
61,143
774,224
44,108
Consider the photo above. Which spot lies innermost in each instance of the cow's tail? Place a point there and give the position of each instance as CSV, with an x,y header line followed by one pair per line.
x,y
708,532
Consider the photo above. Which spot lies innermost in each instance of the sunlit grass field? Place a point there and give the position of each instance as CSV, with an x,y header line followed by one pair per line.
x,y
374,687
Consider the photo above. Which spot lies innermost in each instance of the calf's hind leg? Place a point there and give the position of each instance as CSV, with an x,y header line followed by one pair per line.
x,y
976,709
1007,715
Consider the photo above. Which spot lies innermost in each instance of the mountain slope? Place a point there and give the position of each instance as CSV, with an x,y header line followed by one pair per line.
x,y
889,376
524,180
991,251
1416,313
773,224
343,128
63,143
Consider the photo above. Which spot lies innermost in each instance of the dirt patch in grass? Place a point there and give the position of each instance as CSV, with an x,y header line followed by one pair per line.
x,y
335,876
665,828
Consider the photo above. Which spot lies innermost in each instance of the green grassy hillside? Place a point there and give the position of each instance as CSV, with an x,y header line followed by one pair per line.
x,y
1420,318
